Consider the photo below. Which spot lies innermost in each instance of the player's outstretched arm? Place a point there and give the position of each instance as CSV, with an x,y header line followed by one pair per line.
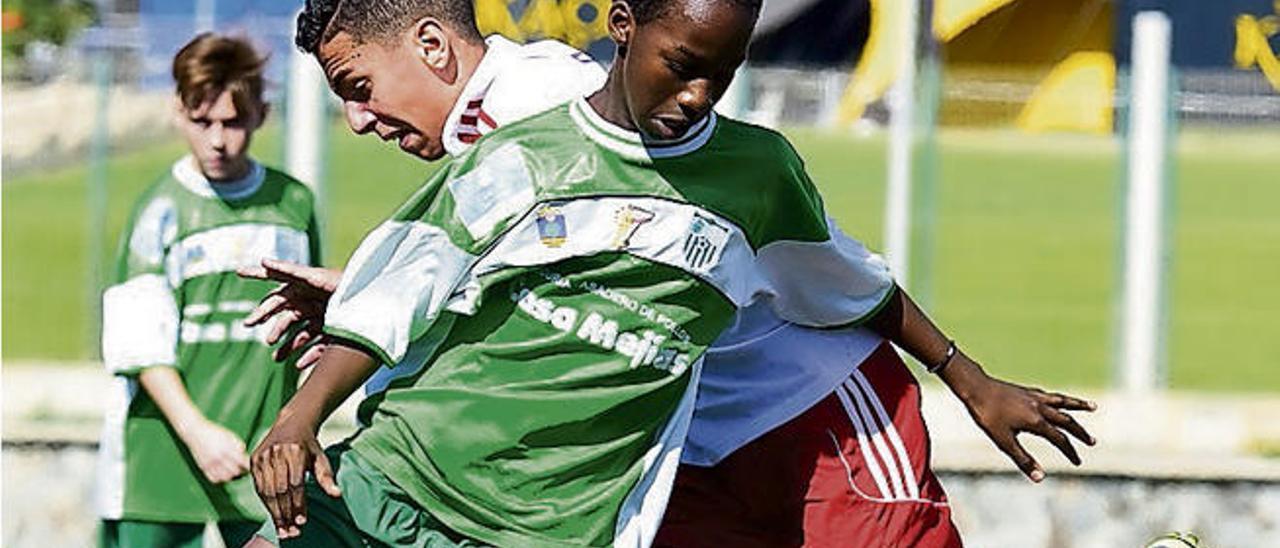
x,y
297,306
1002,409
219,453
290,449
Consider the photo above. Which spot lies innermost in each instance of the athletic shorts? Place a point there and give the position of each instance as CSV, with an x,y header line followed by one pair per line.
x,y
851,471
372,511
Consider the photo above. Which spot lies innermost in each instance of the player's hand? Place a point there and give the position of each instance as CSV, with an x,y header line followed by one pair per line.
x,y
295,308
219,453
1003,410
280,465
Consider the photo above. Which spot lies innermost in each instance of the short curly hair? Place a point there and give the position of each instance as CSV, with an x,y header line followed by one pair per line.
x,y
378,20
212,63
647,10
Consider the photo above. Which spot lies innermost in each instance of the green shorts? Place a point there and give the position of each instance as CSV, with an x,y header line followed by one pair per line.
x,y
154,534
372,511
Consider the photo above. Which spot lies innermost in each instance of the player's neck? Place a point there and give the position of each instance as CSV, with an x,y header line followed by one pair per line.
x,y
235,174
469,55
611,103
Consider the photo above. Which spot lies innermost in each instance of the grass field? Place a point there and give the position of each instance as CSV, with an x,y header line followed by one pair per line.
x,y
1021,268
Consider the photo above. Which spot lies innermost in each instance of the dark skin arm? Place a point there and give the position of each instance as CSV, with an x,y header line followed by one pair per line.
x,y
1001,409
291,449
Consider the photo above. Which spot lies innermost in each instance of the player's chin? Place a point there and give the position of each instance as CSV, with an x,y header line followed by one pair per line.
x,y
422,148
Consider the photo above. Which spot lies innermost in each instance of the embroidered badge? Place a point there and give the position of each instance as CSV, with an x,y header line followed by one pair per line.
x,y
551,227
704,242
628,218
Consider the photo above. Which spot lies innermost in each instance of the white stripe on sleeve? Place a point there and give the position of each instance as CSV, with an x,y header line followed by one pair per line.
x,y
396,284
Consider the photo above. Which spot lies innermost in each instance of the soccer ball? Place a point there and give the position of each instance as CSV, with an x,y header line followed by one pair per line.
x,y
1174,540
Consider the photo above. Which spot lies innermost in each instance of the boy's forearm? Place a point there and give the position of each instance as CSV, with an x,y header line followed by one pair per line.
x,y
903,323
342,369
165,387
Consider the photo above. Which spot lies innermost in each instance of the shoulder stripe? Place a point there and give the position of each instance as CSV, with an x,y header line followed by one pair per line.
x,y
396,282
225,248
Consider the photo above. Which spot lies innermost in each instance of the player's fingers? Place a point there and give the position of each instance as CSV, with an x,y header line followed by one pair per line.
x,y
300,340
288,272
281,353
1068,423
1011,447
280,475
228,472
265,471
271,304
241,462
257,477
1070,403
253,272
1059,440
280,324
324,475
212,473
311,356
297,488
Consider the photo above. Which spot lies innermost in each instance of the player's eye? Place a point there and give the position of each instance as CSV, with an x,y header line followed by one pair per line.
x,y
681,70
360,90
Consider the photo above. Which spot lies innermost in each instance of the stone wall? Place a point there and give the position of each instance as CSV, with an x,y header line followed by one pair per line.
x,y
48,487
1111,511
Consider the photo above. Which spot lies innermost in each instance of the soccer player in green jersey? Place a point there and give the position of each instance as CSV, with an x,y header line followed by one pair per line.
x,y
193,387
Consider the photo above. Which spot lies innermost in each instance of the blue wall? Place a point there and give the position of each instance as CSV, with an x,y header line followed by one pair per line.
x,y
1203,30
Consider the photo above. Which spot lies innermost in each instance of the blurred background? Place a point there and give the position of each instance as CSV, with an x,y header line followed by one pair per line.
x,y
1082,192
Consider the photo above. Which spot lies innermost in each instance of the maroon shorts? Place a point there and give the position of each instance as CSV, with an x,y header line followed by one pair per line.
x,y
853,471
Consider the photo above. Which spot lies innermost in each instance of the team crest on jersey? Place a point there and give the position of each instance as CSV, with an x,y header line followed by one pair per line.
x,y
551,228
704,242
628,219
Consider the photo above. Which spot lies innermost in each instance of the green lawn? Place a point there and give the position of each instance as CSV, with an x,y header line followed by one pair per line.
x,y
1021,267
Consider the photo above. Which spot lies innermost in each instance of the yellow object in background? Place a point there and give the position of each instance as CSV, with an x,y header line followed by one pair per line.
x,y
1076,96
1042,65
575,22
1253,48
951,17
882,60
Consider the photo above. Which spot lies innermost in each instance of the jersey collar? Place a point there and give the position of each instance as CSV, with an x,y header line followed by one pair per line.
x,y
498,50
186,172
634,146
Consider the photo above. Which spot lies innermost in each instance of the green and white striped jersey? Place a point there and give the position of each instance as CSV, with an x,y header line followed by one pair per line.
x,y
177,302
547,299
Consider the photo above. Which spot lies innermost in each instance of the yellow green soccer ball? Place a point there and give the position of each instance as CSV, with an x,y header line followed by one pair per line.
x,y
1174,540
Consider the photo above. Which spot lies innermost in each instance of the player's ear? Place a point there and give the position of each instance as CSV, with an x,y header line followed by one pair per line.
x,y
621,25
432,43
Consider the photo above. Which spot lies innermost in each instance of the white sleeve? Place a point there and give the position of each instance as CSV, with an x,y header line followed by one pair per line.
x,y
830,283
394,287
140,317
139,325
